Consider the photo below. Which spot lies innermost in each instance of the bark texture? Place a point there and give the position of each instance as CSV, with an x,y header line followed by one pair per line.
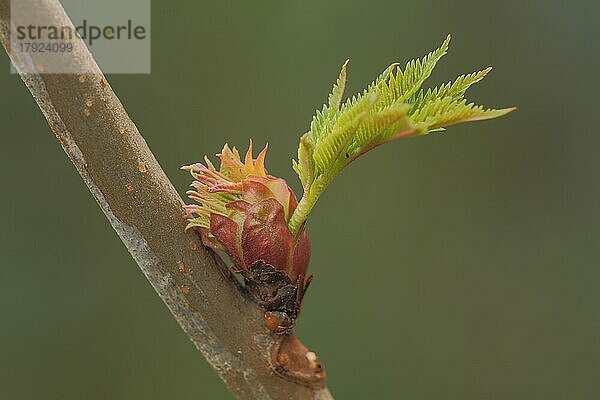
x,y
146,212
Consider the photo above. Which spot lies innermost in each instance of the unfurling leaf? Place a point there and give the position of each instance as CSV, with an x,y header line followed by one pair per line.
x,y
305,167
393,106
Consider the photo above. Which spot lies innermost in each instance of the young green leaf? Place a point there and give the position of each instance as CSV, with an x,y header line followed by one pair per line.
x,y
393,106
305,167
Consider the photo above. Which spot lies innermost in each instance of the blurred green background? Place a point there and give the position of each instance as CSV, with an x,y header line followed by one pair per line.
x,y
474,275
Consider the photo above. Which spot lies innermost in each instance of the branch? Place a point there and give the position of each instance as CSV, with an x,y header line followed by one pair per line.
x,y
146,212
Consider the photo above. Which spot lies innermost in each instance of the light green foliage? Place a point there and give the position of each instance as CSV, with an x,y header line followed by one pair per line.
x,y
392,107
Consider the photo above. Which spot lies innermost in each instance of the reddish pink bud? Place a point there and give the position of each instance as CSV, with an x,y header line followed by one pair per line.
x,y
245,212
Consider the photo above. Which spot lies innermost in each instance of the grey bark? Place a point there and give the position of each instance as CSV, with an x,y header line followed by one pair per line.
x,y
146,212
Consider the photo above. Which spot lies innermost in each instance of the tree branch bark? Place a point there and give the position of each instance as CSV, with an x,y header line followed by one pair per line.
x,y
146,212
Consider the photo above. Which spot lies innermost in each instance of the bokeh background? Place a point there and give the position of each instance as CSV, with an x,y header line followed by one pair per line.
x,y
456,266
